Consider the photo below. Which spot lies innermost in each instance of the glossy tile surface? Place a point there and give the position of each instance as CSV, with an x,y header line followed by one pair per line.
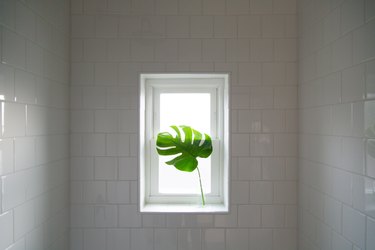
x,y
336,163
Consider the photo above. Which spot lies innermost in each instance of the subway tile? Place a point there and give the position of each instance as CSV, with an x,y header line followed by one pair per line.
x,y
249,26
285,239
177,26
153,220
24,153
273,26
190,50
273,169
261,6
24,220
201,26
8,13
249,121
82,168
213,239
118,192
240,145
227,220
34,58
106,216
94,50
240,192
7,82
354,226
352,15
285,192
82,73
166,7
14,190
118,239
370,80
83,26
285,6
25,21
13,49
370,230
93,145
249,73
342,52
106,168
214,7
273,73
261,97
260,239
225,26
81,216
129,216
261,50
370,158
273,216
19,245
106,121
363,39
237,239
187,7
236,7
106,26
105,74
249,168
353,84
6,229
213,50
237,50
353,151
94,239
273,121
7,152
94,192
25,87
118,50
339,242
261,192
249,215
285,97
141,239
285,50
261,145
166,50
369,9
285,145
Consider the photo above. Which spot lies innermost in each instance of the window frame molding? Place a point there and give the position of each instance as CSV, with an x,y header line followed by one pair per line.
x,y
183,203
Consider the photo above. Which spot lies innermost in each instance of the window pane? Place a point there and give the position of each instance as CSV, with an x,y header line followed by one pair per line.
x,y
190,109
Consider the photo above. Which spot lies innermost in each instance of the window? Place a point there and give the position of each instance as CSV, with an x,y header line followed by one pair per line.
x,y
196,100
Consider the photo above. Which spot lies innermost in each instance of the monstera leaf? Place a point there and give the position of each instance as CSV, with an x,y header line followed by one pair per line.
x,y
189,149
194,145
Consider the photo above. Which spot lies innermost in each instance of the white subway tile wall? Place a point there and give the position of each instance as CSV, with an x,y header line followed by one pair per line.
x,y
112,42
34,136
336,152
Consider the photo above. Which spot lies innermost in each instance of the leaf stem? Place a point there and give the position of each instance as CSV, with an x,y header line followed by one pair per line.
x,y
200,183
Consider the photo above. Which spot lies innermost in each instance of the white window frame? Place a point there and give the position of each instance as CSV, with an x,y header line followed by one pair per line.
x,y
151,86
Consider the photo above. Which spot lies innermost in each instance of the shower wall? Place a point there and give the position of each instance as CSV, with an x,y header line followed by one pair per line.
x,y
115,40
337,117
34,136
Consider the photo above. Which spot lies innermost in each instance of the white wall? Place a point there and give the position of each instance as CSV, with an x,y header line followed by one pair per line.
x,y
115,40
336,87
34,141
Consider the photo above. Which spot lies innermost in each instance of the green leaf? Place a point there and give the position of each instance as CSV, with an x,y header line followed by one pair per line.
x,y
194,145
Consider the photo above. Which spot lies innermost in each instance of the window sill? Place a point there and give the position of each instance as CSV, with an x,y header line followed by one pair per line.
x,y
184,208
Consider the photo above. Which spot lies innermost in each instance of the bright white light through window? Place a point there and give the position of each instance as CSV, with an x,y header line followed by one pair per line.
x,y
190,109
